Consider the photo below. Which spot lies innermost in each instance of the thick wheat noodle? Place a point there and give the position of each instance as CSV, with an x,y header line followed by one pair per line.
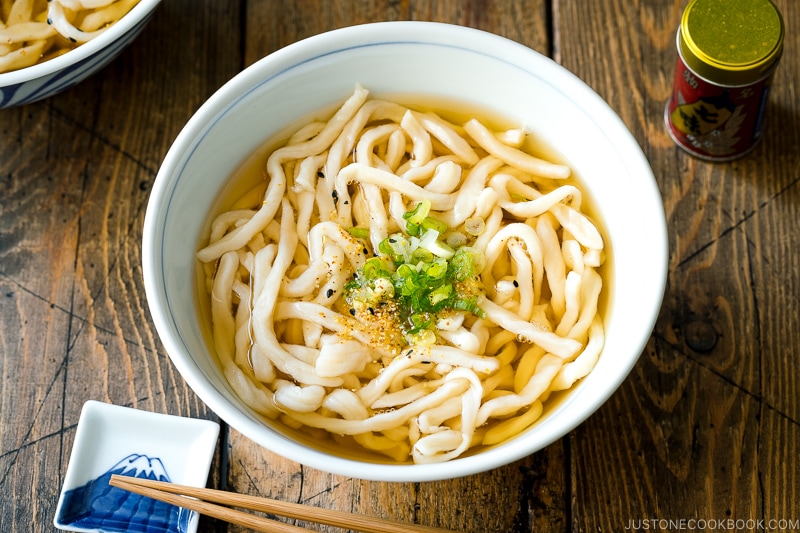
x,y
342,148
277,183
323,316
422,149
300,399
106,14
576,369
506,185
356,172
320,237
264,308
26,31
58,18
290,349
498,246
572,303
446,175
221,304
525,330
22,57
473,184
578,225
589,295
395,149
470,403
462,339
546,370
407,394
384,420
304,188
513,156
447,136
528,282
553,261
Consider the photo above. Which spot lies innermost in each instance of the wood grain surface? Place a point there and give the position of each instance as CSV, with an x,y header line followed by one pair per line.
x,y
705,428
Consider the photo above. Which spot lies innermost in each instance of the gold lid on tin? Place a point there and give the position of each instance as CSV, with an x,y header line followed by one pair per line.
x,y
731,42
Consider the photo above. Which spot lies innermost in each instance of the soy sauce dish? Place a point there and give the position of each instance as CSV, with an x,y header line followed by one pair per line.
x,y
427,62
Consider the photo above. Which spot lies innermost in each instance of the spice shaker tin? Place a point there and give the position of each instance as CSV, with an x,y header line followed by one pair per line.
x,y
728,51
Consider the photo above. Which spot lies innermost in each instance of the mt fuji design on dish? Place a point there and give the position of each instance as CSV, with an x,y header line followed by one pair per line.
x,y
101,507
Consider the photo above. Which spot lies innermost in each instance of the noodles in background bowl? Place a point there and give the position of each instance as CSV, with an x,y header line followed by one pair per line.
x,y
417,286
33,31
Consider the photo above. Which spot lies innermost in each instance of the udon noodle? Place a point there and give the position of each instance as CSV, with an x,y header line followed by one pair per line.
x,y
416,285
32,31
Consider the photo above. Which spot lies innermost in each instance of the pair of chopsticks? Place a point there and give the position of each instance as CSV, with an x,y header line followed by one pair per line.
x,y
192,498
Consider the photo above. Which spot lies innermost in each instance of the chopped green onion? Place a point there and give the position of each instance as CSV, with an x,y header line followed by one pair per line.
x,y
423,338
418,214
475,226
430,241
436,269
385,248
434,223
440,294
469,305
359,233
420,274
466,263
456,239
421,254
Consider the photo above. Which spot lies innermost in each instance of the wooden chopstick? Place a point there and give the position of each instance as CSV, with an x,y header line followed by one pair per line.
x,y
183,496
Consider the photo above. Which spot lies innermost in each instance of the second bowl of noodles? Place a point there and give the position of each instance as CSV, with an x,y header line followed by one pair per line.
x,y
48,46
409,251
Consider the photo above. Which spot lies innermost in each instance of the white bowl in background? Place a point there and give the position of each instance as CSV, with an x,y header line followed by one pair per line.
x,y
417,58
45,79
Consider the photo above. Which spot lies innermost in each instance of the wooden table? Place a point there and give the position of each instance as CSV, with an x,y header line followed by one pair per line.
x,y
706,428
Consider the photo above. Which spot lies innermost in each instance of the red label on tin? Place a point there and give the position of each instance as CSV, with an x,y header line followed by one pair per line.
x,y
714,121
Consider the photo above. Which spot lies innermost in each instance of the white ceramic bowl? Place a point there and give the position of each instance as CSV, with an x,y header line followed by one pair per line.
x,y
42,80
406,57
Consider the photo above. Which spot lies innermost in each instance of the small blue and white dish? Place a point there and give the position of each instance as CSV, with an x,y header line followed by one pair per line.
x,y
45,79
119,440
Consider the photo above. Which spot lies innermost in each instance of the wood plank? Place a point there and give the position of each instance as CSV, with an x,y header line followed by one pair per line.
x,y
270,26
75,323
687,430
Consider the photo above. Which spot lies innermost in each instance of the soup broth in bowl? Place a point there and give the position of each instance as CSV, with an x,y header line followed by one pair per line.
x,y
424,289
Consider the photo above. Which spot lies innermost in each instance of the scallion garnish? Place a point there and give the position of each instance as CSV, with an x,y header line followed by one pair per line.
x,y
421,275
359,233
